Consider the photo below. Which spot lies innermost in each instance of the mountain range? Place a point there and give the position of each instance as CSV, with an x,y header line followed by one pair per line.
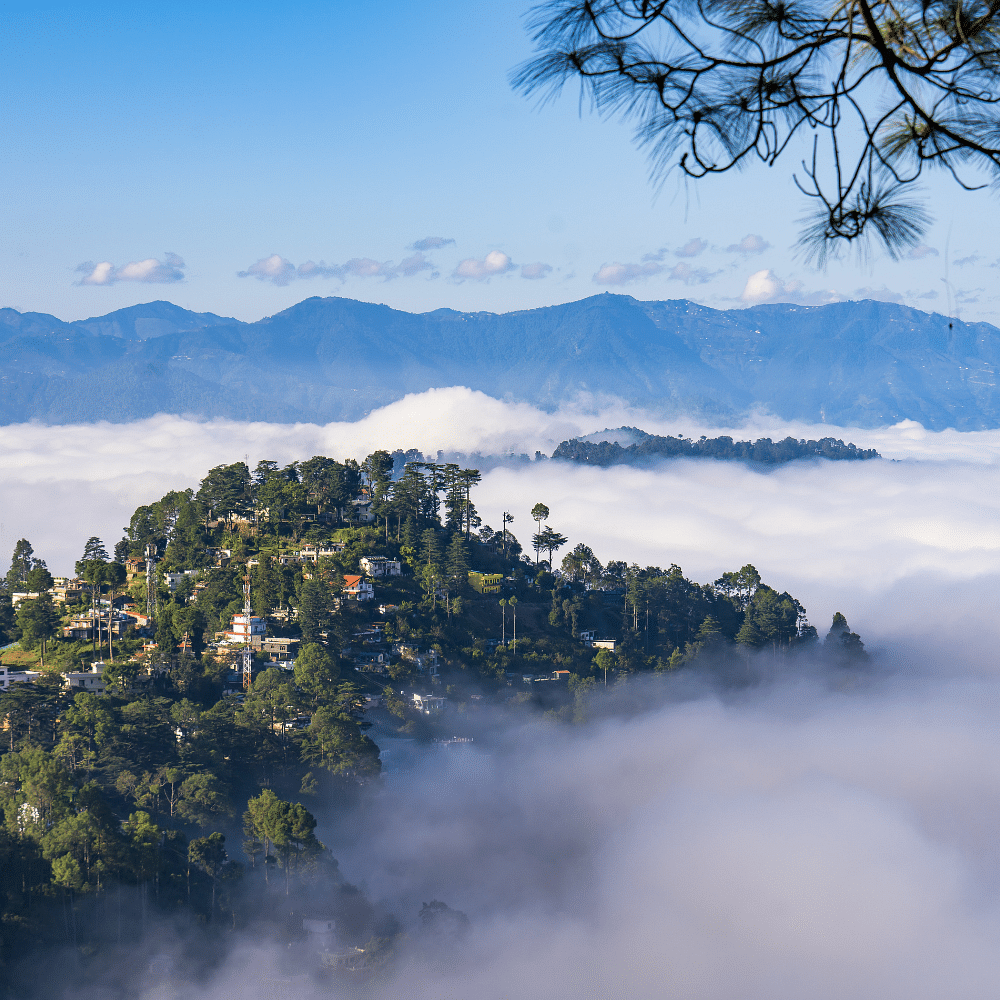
x,y
852,363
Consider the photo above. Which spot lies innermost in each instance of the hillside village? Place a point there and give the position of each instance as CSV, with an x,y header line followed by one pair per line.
x,y
244,647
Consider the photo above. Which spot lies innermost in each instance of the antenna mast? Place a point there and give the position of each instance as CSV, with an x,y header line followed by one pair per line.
x,y
247,649
150,580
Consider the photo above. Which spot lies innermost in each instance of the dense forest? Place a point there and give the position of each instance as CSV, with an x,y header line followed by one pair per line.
x,y
179,792
652,446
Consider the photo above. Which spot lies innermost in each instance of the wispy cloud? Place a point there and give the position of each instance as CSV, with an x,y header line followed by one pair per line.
x,y
973,258
496,262
765,286
882,294
692,248
624,274
921,251
748,246
430,243
275,269
691,275
280,271
150,271
535,271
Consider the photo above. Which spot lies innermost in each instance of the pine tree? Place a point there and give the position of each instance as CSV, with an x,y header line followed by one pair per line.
x,y
457,562
749,634
20,566
411,541
94,549
314,611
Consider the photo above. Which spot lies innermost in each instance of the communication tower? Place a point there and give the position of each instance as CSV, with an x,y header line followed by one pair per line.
x,y
248,649
150,580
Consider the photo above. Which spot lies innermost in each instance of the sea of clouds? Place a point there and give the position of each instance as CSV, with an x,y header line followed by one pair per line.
x,y
877,540
823,835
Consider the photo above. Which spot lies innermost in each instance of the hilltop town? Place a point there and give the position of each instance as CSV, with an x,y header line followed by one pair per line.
x,y
243,649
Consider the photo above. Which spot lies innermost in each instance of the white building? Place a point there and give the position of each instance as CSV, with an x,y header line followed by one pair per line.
x,y
589,638
429,704
10,676
86,680
381,566
310,553
246,630
173,579
356,588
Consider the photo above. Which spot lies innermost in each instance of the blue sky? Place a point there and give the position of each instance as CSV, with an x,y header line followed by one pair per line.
x,y
173,147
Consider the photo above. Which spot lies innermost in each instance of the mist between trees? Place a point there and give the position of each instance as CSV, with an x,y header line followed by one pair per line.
x,y
178,793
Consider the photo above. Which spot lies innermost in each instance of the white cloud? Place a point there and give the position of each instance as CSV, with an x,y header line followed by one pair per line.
x,y
535,271
749,245
365,267
310,269
921,251
494,263
275,269
692,248
765,286
280,271
150,271
966,261
431,243
624,274
882,294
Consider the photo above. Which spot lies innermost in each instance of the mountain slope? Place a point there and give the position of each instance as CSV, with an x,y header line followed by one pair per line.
x,y
866,363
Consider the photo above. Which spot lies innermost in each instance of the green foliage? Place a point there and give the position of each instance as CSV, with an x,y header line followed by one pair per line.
x,y
314,610
316,673
286,826
334,742
21,564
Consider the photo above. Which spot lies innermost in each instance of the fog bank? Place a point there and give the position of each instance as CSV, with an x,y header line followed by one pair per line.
x,y
856,537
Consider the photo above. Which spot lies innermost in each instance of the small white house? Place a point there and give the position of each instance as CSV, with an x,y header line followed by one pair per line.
x,y
381,566
86,680
173,579
357,588
589,638
8,676
429,704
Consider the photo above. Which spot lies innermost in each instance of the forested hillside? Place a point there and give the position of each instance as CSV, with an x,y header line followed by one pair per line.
x,y
649,447
158,767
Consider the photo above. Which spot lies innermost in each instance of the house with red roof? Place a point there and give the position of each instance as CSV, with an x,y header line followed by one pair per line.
x,y
357,588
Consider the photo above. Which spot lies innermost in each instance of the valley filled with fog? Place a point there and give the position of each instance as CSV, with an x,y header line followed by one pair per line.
x,y
904,546
825,833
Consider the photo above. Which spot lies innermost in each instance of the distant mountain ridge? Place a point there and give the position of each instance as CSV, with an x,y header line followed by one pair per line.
x,y
852,363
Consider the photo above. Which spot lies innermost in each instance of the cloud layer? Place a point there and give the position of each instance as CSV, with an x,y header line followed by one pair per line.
x,y
822,835
808,839
833,533
149,272
279,271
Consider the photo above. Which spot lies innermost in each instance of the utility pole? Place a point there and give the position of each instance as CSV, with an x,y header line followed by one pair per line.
x,y
150,581
513,607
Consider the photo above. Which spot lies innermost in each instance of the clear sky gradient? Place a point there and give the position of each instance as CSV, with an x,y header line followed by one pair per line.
x,y
158,151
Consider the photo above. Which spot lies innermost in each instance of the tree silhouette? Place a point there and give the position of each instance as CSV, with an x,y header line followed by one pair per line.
x,y
885,88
